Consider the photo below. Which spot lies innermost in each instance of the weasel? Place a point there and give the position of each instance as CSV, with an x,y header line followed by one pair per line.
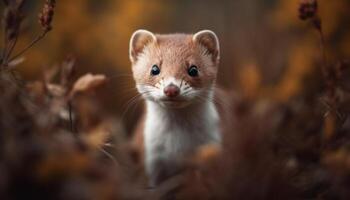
x,y
175,74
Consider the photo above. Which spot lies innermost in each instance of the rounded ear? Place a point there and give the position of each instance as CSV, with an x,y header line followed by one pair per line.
x,y
138,41
209,40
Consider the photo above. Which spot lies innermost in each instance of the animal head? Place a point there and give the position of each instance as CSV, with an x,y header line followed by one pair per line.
x,y
174,70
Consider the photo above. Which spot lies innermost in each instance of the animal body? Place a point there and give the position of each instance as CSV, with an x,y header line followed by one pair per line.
x,y
176,75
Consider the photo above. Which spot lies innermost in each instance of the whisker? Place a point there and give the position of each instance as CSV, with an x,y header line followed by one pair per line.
x,y
135,106
181,82
131,102
185,93
110,156
133,99
109,145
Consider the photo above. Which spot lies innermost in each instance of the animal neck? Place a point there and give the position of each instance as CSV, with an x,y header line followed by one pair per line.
x,y
199,117
189,110
171,134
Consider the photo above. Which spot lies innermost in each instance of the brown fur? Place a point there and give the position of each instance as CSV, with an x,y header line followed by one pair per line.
x,y
174,54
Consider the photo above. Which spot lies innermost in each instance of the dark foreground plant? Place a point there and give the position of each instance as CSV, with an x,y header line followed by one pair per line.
x,y
53,136
56,142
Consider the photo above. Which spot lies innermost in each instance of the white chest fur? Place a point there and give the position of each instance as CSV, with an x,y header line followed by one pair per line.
x,y
173,134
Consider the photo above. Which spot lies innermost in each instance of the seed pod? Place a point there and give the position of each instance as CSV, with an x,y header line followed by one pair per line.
x,y
12,18
46,15
307,9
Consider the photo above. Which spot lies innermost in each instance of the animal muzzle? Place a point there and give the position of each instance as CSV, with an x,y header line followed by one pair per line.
x,y
171,91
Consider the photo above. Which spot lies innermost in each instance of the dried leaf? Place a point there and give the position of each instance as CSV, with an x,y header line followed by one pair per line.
x,y
98,136
67,71
50,73
36,88
56,90
16,62
87,83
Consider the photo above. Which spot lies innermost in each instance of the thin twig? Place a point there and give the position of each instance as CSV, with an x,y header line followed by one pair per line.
x,y
327,71
4,49
36,40
15,78
70,110
324,54
330,82
8,54
110,156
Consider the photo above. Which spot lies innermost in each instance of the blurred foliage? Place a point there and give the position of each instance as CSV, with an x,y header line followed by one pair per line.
x,y
267,35
288,136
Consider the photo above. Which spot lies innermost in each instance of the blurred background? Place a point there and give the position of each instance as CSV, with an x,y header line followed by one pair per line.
x,y
287,134
266,49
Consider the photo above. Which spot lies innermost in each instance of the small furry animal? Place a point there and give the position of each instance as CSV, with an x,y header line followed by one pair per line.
x,y
175,74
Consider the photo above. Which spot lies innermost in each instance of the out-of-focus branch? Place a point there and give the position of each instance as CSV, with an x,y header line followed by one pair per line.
x,y
308,10
12,21
30,45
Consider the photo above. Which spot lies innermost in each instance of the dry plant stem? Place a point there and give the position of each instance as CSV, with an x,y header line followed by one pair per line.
x,y
324,55
329,78
327,72
70,109
13,44
36,40
4,50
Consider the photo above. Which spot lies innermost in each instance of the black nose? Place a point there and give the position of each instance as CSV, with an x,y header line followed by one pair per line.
x,y
171,90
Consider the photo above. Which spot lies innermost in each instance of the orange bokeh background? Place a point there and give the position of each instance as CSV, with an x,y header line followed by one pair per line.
x,y
266,50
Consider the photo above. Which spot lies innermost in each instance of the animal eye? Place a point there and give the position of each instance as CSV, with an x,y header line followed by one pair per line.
x,y
193,71
155,70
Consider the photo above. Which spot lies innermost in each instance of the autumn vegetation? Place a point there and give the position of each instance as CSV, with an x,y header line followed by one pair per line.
x,y
65,130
